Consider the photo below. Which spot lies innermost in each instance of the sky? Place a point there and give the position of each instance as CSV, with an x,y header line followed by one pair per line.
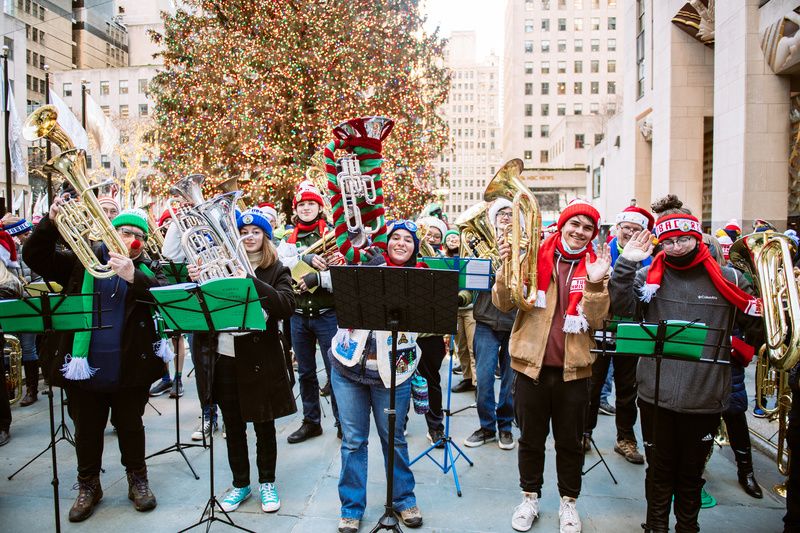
x,y
483,16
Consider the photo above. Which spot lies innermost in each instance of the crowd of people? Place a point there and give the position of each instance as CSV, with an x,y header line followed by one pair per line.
x,y
534,368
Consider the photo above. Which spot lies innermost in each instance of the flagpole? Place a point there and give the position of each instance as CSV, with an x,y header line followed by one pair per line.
x,y
83,104
48,149
6,119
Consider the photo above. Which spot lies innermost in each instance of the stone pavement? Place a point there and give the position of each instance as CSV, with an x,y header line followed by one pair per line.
x,y
308,474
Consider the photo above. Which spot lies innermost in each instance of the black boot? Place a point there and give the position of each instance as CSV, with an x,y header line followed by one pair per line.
x,y
31,383
744,465
307,430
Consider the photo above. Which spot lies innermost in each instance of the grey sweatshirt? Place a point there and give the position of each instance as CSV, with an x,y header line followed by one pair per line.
x,y
685,386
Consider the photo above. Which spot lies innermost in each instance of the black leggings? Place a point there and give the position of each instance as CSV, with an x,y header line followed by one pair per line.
x,y
430,361
226,394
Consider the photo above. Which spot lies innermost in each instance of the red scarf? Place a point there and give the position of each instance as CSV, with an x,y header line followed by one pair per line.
x,y
304,227
390,263
574,322
744,302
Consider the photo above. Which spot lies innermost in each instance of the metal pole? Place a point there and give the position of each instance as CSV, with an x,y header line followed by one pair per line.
x,y
83,104
6,121
48,148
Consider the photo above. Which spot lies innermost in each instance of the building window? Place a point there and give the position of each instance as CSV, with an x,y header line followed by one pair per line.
x,y
528,89
527,154
578,24
528,47
142,86
106,110
562,45
529,5
577,109
595,45
544,131
612,66
640,45
545,110
579,45
528,131
142,110
561,110
578,4
66,89
562,24
562,67
596,183
577,88
528,25
544,156
528,67
595,23
578,67
612,87
545,24
579,141
595,66
545,88
612,3
562,4
594,108
528,110
545,46
561,88
545,67
546,5
612,45
123,111
123,86
612,23
103,88
105,162
594,87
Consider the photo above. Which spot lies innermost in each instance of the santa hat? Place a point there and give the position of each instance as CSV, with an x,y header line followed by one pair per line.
x,y
433,222
8,250
166,215
269,210
579,207
678,225
725,243
636,215
732,229
307,191
108,201
497,205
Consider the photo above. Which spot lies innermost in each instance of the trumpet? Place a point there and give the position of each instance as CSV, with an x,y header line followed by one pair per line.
x,y
80,220
520,269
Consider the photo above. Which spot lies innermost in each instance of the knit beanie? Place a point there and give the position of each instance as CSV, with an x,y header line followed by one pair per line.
x,y
8,250
19,227
579,207
108,201
450,232
306,191
132,217
497,205
255,217
433,222
678,225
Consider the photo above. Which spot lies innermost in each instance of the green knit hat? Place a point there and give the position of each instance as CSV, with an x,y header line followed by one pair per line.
x,y
451,232
132,217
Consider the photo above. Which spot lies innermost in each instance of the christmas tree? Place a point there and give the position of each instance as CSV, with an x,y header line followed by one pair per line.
x,y
253,88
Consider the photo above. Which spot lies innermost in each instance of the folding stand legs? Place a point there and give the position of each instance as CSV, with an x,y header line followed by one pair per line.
x,y
178,446
601,460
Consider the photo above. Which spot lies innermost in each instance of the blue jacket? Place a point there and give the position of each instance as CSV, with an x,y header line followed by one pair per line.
x,y
614,249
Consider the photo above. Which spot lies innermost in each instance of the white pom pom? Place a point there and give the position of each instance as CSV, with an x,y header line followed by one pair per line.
x,y
163,349
575,324
648,291
77,368
541,299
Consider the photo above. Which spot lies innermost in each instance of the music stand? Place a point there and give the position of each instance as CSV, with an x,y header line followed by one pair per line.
x,y
48,313
394,299
198,302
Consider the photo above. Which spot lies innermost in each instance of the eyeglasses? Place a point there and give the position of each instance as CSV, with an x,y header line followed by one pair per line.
x,y
135,234
670,243
506,214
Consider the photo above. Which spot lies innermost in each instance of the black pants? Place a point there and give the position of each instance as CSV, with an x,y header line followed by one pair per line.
x,y
5,406
89,411
739,437
676,456
536,404
432,353
226,394
625,384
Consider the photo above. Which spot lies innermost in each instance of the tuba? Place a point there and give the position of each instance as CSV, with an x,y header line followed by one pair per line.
x,y
209,235
81,219
520,269
477,235
13,378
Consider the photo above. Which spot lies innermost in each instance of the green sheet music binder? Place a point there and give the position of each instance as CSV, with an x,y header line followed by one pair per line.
x,y
474,273
232,304
683,339
175,272
58,312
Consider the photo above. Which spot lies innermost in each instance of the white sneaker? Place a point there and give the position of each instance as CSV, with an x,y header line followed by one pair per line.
x,y
568,518
526,512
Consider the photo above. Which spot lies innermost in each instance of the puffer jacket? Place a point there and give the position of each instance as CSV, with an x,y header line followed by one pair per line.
x,y
531,329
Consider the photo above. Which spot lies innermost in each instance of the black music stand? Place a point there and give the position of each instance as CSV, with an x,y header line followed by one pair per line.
x,y
47,310
395,299
174,317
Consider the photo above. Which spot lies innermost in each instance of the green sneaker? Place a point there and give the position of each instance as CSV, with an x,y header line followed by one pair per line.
x,y
234,497
270,502
707,501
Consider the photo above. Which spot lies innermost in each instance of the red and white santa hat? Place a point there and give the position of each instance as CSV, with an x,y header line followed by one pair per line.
x,y
306,191
8,250
269,210
636,215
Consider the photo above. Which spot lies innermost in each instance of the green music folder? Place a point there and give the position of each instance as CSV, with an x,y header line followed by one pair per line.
x,y
175,272
28,315
683,339
232,304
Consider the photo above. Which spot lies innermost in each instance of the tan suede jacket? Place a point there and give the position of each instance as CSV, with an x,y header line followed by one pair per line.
x,y
531,328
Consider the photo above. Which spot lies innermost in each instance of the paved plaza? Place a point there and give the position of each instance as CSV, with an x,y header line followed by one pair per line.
x,y
308,474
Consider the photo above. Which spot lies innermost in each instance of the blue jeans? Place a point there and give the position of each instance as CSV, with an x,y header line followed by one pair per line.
x,y
606,391
355,402
306,333
27,342
490,347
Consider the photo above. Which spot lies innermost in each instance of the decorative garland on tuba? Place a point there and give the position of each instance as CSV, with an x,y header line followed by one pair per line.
x,y
355,183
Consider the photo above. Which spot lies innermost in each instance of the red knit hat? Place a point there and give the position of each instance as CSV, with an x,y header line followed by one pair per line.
x,y
164,217
636,215
307,191
677,225
580,207
8,250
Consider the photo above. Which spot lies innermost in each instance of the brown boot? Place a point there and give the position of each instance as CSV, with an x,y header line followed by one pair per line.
x,y
139,490
89,494
31,383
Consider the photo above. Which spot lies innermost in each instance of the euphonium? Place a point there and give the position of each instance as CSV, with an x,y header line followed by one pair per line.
x,y
520,268
477,234
13,378
80,220
425,249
